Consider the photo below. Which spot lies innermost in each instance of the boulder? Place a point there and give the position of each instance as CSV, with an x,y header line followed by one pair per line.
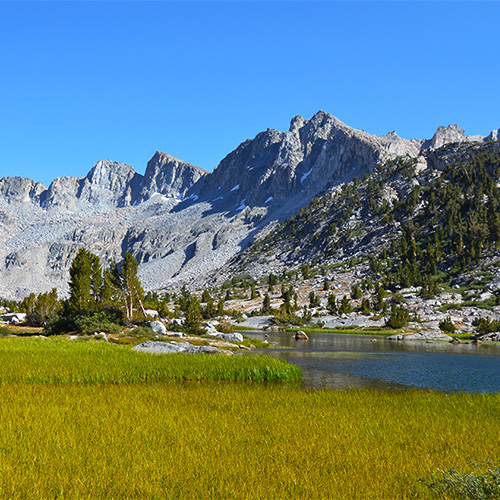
x,y
158,327
419,336
300,335
14,318
455,341
232,337
489,337
429,335
398,337
175,334
175,347
211,330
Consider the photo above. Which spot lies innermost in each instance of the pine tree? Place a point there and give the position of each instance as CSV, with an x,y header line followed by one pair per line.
x,y
210,310
82,271
41,308
220,307
272,280
365,306
345,307
126,285
332,304
314,300
356,292
131,284
266,304
192,323
205,296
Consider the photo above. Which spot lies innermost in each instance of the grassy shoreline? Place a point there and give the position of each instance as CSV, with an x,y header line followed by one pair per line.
x,y
93,420
64,361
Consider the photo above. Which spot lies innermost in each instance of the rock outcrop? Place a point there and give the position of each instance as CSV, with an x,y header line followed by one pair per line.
x,y
175,347
108,185
422,336
19,190
168,176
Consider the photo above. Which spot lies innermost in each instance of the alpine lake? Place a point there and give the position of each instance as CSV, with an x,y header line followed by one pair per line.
x,y
343,361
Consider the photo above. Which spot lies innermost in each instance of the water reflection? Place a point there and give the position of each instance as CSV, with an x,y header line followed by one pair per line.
x,y
342,361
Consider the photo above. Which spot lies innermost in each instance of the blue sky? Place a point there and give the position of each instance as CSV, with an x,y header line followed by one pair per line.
x,y
84,81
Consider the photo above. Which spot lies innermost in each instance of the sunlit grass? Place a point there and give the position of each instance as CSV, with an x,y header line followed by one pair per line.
x,y
221,440
62,361
100,430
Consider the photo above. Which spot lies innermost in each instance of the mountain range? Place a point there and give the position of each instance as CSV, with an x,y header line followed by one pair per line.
x,y
186,225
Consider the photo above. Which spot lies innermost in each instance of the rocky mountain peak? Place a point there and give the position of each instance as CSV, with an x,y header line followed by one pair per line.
x,y
313,155
19,190
109,184
445,135
296,123
265,179
167,175
494,135
109,174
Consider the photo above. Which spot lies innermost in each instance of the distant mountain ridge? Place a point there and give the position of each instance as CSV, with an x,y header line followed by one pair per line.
x,y
181,222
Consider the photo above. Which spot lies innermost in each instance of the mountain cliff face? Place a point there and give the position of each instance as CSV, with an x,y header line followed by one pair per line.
x,y
182,223
19,190
312,156
168,176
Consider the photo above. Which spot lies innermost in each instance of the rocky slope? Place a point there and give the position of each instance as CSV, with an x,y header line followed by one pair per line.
x,y
182,223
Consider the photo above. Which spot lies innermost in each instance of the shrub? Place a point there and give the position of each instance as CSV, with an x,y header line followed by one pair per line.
x,y
102,321
447,325
4,331
483,484
399,317
57,326
142,331
485,325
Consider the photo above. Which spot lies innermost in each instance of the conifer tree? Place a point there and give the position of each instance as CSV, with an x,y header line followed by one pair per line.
x,y
85,281
332,304
266,304
192,323
220,307
345,307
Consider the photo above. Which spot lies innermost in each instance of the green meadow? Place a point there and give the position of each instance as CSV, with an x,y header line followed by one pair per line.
x,y
88,420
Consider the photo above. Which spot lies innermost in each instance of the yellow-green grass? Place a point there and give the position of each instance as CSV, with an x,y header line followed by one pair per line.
x,y
64,361
91,420
233,440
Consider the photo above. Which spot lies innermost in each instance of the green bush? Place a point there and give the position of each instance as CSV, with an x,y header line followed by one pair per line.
x,y
4,331
483,484
101,321
142,331
447,325
399,318
57,326
485,325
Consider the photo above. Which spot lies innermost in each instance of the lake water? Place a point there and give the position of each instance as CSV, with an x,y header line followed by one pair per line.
x,y
340,361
